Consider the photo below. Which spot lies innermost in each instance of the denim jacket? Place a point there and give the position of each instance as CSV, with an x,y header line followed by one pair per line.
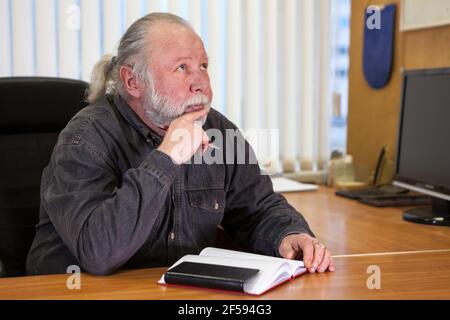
x,y
110,200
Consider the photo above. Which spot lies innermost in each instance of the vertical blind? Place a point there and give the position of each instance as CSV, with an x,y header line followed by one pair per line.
x,y
271,62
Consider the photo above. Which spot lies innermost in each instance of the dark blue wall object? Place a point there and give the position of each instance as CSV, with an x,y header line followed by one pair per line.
x,y
379,48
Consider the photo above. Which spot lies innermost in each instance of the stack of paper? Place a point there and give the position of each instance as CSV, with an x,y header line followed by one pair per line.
x,y
281,184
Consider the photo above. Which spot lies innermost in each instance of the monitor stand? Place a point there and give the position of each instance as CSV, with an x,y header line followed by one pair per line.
x,y
437,214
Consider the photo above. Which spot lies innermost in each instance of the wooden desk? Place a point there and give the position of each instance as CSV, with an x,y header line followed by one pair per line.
x,y
347,227
403,276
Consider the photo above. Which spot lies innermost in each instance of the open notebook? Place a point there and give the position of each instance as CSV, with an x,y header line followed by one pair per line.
x,y
232,270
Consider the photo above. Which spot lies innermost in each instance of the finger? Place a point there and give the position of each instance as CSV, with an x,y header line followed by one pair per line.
x,y
318,257
192,116
205,141
205,138
286,250
308,253
331,266
325,261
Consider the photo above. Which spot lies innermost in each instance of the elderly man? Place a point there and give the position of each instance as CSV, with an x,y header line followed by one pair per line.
x,y
120,190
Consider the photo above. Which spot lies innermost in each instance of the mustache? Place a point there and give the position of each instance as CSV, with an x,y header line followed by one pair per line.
x,y
196,100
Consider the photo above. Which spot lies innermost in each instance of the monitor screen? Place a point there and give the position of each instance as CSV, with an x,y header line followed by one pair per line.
x,y
423,155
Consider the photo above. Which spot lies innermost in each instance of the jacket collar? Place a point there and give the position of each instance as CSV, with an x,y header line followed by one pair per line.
x,y
133,119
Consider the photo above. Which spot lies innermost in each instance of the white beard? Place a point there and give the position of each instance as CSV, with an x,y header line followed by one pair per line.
x,y
162,111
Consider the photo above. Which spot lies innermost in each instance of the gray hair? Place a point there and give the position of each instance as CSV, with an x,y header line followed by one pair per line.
x,y
134,50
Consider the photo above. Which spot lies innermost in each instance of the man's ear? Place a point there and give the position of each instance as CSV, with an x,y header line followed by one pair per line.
x,y
130,82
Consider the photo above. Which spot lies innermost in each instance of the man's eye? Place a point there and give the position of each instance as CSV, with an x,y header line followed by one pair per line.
x,y
204,66
182,67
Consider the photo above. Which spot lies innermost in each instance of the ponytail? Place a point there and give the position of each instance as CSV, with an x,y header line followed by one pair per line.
x,y
101,78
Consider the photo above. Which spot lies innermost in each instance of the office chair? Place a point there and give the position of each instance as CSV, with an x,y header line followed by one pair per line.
x,y
33,112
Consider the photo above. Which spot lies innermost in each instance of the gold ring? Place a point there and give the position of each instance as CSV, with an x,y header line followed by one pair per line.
x,y
318,243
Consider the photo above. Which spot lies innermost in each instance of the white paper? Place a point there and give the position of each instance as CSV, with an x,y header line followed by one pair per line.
x,y
281,184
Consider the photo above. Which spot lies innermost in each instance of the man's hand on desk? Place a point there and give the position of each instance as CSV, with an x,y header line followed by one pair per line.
x,y
315,255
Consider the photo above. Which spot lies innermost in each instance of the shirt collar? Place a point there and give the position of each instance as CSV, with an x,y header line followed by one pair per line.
x,y
133,119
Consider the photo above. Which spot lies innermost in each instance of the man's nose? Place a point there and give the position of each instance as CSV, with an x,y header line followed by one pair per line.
x,y
200,84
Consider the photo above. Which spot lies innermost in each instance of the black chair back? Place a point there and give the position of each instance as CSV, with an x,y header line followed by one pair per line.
x,y
33,111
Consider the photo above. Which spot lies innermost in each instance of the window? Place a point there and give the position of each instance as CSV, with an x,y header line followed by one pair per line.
x,y
275,65
338,125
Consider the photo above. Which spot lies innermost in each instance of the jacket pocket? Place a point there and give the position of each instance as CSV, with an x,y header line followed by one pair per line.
x,y
206,209
212,200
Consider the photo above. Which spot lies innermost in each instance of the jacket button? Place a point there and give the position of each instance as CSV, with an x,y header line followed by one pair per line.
x,y
216,206
172,236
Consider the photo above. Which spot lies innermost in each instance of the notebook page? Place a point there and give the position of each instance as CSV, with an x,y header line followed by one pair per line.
x,y
296,266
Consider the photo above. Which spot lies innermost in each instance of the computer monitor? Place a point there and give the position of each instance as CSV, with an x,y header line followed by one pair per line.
x,y
423,150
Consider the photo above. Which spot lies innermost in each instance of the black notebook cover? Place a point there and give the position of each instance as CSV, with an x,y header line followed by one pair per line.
x,y
209,276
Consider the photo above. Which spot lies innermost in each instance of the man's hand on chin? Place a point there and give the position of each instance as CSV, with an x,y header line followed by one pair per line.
x,y
185,136
316,256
